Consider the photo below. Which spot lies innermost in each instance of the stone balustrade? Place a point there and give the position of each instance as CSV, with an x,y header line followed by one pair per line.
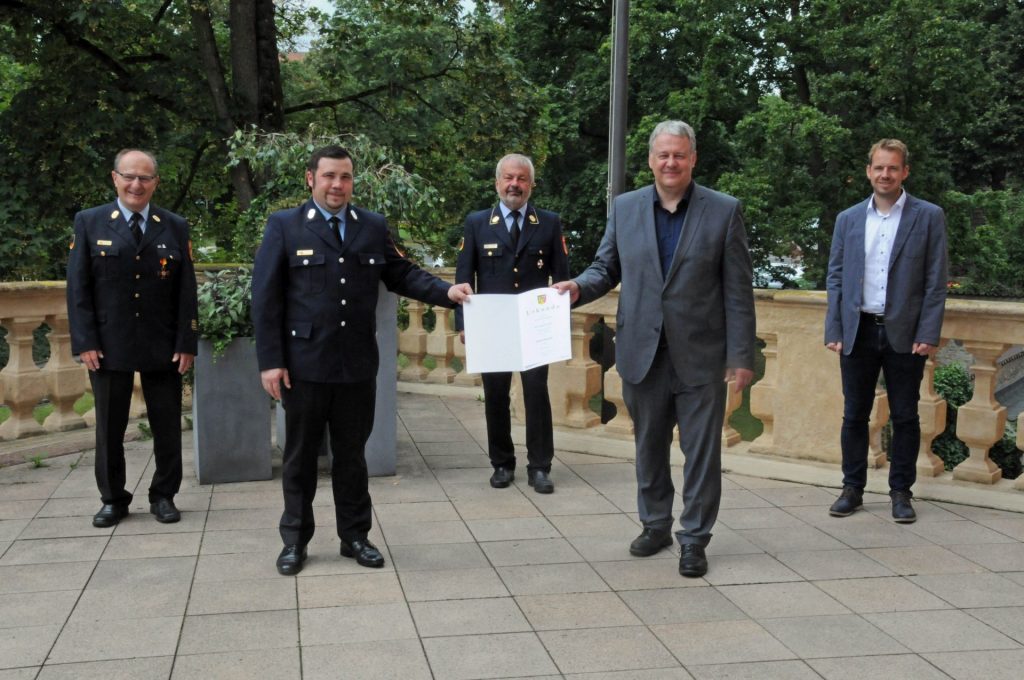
x,y
798,399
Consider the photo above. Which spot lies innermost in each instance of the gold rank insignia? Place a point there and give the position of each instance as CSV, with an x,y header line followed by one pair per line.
x,y
462,243
156,218
495,219
104,242
533,218
301,253
565,248
71,246
114,215
311,214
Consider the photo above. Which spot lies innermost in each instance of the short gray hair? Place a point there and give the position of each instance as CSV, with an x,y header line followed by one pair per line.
x,y
517,159
124,152
673,127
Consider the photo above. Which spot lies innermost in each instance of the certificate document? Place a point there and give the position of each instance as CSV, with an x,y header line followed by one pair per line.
x,y
516,332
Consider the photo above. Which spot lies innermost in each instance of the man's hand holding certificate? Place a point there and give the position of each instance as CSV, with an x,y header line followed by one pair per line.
x,y
516,332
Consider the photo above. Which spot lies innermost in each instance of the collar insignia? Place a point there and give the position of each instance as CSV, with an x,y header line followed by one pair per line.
x,y
533,218
311,214
114,215
155,218
352,214
495,219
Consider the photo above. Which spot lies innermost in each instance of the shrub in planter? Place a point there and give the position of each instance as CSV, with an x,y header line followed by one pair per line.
x,y
225,301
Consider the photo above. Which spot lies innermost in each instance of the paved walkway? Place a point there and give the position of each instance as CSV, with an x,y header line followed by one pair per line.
x,y
481,583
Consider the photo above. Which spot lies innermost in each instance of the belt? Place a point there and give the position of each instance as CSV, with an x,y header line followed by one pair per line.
x,y
877,319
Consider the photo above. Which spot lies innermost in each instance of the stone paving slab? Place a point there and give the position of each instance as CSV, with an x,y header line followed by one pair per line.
x,y
486,583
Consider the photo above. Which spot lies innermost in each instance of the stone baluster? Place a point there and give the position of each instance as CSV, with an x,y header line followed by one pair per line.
x,y
762,394
622,423
932,411
138,406
573,383
981,421
879,417
733,400
1019,484
464,378
412,342
66,379
24,385
440,345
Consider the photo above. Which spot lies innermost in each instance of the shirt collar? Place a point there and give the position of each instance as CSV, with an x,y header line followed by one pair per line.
x,y
128,213
506,211
328,214
897,206
682,201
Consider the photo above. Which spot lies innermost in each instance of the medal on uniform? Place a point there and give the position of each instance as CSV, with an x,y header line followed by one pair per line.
x,y
164,273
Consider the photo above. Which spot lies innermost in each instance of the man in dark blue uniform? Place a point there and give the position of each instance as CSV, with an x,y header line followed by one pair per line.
x,y
132,307
315,286
512,248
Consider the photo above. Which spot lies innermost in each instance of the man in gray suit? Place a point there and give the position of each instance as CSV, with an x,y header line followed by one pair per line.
x,y
886,296
685,321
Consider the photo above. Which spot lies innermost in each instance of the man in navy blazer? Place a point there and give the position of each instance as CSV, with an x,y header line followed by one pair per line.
x,y
315,285
512,248
685,323
886,296
132,306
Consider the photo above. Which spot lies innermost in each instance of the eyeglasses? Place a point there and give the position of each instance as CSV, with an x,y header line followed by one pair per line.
x,y
144,179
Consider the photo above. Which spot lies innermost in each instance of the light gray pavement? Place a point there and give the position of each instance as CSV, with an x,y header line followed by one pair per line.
x,y
484,583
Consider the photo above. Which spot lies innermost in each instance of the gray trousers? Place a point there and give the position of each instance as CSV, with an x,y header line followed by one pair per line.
x,y
657,404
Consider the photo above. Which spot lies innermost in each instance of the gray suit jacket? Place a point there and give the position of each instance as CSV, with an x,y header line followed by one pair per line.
x,y
915,295
705,302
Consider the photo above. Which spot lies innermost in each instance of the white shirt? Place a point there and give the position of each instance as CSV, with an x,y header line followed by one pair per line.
x,y
879,235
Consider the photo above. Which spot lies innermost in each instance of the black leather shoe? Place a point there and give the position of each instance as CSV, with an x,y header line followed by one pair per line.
x,y
849,501
289,562
365,553
692,561
650,542
165,511
109,515
502,477
902,508
540,481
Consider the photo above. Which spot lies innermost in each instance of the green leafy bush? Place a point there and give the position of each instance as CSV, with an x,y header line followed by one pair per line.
x,y
225,303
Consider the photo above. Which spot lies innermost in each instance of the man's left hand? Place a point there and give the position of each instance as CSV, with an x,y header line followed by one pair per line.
x,y
460,293
742,376
924,349
184,361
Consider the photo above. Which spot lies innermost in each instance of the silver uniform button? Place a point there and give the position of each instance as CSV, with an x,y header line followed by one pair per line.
x,y
341,259
343,280
371,260
305,262
293,334
342,323
344,302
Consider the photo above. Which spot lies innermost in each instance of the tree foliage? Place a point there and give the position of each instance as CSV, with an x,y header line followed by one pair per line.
x,y
786,97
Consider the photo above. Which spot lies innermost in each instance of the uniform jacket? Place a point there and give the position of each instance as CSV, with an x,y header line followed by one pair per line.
x,y
314,302
705,303
915,292
487,262
135,304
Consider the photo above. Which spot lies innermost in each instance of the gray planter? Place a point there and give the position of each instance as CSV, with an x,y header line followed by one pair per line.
x,y
230,416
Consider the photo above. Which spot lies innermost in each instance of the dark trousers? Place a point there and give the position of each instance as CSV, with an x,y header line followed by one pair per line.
x,y
540,446
112,391
656,404
346,411
872,355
